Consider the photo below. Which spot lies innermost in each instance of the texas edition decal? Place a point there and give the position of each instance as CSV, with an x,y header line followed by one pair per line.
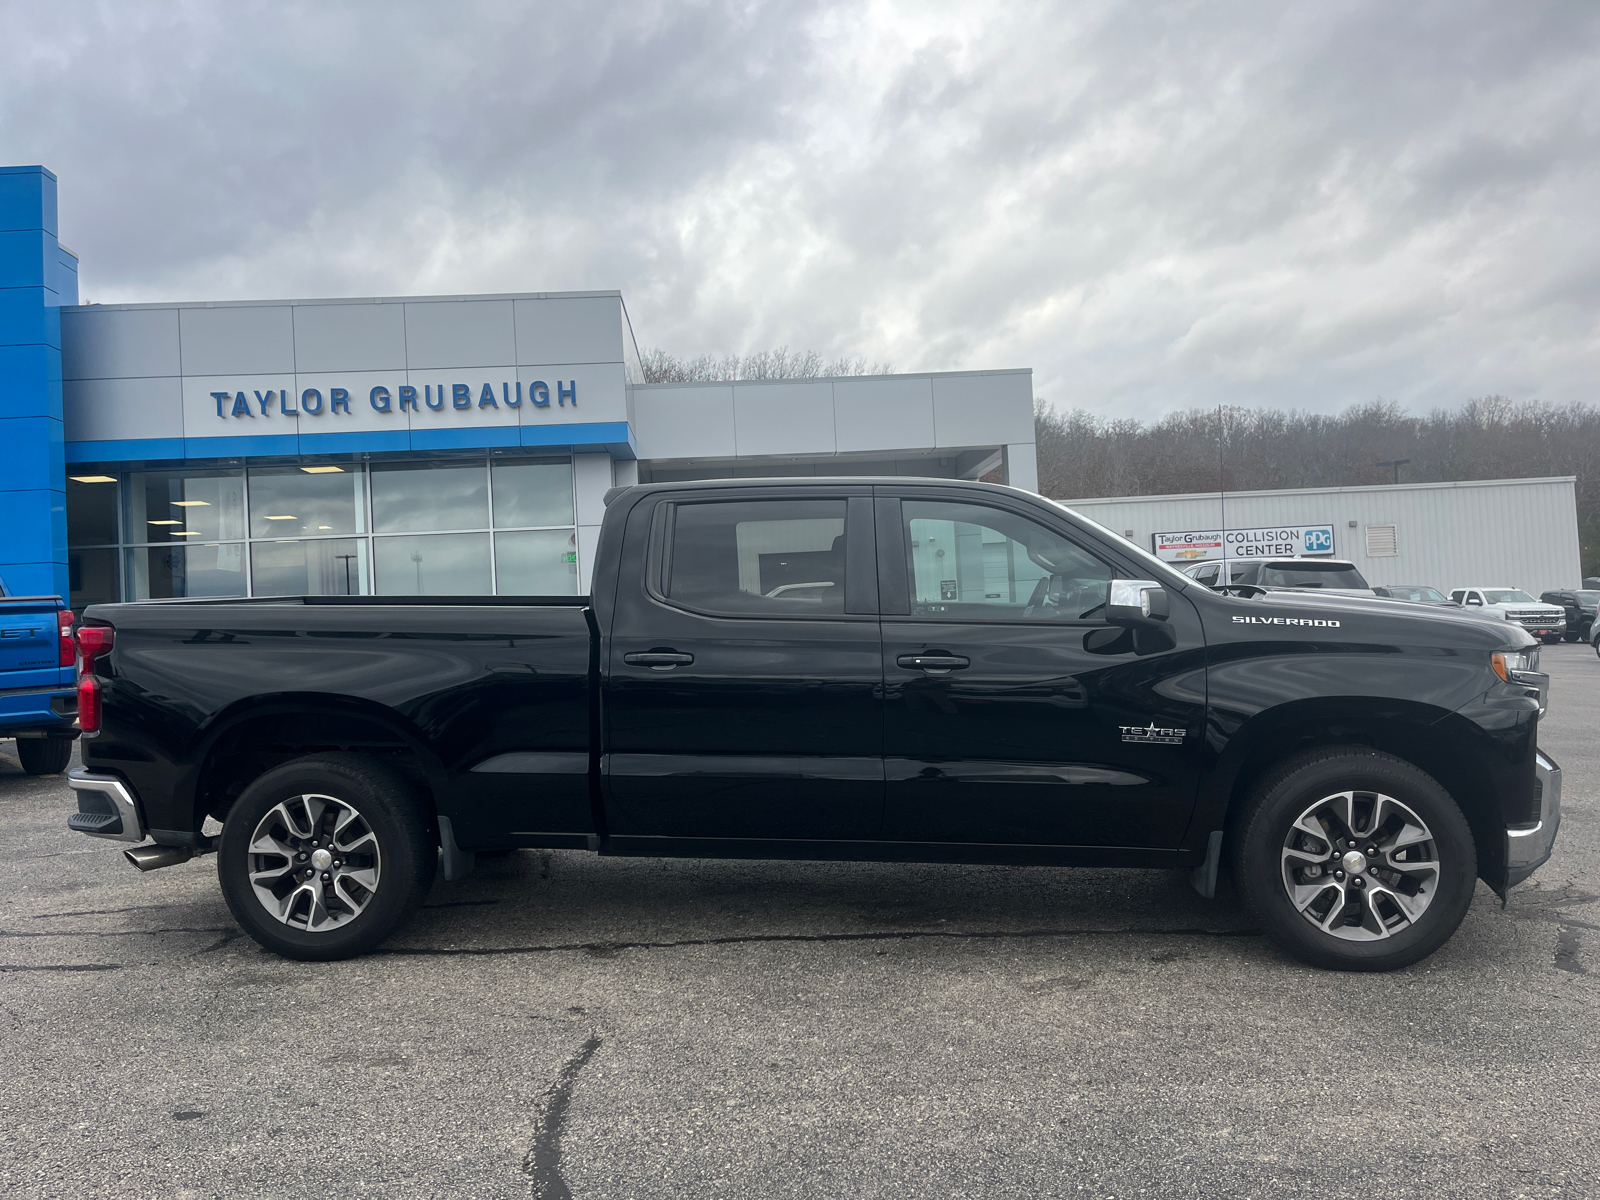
x,y
1152,733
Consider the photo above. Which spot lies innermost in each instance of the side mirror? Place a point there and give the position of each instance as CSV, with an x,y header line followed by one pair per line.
x,y
1136,602
1474,600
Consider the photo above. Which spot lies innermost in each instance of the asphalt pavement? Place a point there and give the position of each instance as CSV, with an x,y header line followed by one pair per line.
x,y
562,1025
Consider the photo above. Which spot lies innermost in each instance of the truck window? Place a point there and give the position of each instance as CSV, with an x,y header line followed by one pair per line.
x,y
1312,575
757,557
973,561
1207,575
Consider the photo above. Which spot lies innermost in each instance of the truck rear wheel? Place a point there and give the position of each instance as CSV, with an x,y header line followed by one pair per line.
x,y
323,857
1354,860
44,756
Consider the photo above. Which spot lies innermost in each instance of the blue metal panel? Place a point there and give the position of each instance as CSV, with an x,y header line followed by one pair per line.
x,y
129,450
31,450
26,258
29,316
615,436
459,439
270,445
27,199
375,441
29,374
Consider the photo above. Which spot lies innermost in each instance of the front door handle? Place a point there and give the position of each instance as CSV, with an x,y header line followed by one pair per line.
x,y
658,660
933,664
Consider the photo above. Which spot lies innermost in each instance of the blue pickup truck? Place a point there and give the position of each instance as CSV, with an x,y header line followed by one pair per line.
x,y
38,680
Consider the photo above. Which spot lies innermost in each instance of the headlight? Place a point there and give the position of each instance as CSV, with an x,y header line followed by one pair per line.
x,y
1511,665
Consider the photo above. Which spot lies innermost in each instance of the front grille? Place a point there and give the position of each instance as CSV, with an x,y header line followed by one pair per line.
x,y
1541,620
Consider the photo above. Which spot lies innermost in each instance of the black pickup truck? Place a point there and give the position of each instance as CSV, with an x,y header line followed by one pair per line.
x,y
871,669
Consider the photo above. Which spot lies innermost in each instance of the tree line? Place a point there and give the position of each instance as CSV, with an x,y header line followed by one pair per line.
x,y
1083,456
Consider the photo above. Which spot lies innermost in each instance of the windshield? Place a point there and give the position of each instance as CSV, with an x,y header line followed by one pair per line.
x,y
1417,595
1507,596
1312,575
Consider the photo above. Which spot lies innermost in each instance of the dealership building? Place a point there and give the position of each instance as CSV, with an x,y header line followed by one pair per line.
x,y
417,445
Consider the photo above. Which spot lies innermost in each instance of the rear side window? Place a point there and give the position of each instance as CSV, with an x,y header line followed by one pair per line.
x,y
757,557
1207,576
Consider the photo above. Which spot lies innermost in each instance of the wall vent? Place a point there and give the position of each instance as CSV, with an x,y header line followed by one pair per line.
x,y
1381,542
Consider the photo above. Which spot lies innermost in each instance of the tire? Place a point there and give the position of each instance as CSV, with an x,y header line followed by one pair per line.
x,y
379,862
1551,641
44,756
1572,637
1406,911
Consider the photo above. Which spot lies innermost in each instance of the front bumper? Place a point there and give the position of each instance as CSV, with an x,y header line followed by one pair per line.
x,y
1528,846
107,807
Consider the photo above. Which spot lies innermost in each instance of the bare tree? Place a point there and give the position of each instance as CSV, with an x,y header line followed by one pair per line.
x,y
662,367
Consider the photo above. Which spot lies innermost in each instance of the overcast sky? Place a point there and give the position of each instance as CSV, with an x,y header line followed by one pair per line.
x,y
1153,205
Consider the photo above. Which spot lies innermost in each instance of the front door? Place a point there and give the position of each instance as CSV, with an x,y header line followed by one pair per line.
x,y
743,693
1013,713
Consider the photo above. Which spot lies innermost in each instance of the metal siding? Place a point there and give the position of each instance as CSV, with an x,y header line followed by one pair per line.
x,y
1516,532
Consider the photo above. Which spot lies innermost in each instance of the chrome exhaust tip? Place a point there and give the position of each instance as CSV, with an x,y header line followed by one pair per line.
x,y
153,858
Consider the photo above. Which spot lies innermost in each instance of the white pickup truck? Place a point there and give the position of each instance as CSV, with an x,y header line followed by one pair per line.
x,y
1545,621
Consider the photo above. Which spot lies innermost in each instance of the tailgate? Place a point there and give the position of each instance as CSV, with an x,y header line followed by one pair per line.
x,y
30,643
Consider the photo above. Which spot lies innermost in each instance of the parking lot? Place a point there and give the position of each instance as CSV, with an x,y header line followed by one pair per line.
x,y
563,1025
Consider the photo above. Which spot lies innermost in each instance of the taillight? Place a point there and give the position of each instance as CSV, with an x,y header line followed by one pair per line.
x,y
66,650
88,703
93,641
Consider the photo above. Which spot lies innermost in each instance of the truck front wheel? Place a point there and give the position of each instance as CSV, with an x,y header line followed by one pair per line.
x,y
323,857
1354,860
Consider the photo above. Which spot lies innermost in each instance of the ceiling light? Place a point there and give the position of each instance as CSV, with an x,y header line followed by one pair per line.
x,y
191,503
95,478
184,533
290,517
163,522
323,470
327,527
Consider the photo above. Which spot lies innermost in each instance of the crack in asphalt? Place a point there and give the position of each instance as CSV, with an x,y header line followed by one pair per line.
x,y
9,967
605,949
542,1163
112,933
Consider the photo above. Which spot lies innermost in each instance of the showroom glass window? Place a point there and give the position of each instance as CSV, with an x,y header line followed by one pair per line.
x,y
451,527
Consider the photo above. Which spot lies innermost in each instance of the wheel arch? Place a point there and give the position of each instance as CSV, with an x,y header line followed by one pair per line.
x,y
256,734
1446,747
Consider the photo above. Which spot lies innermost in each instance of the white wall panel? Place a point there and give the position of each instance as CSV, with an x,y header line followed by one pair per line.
x,y
883,414
362,417
110,343
602,393
450,417
684,422
569,329
350,337
237,340
460,333
99,410
989,409
783,418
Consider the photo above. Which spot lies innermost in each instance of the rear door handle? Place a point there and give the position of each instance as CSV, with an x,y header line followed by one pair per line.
x,y
934,664
658,660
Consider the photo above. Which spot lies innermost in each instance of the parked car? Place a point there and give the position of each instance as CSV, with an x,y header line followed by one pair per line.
x,y
1415,593
1544,621
1324,574
990,678
1579,607
38,680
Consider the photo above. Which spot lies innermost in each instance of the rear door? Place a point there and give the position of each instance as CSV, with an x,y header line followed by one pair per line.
x,y
743,690
1013,713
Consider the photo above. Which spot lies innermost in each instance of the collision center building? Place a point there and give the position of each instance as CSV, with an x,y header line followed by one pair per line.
x,y
418,445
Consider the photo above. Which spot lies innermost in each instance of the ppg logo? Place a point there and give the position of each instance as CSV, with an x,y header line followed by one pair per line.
x,y
1319,541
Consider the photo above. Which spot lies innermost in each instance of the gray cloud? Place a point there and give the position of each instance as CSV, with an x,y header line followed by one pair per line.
x,y
1153,205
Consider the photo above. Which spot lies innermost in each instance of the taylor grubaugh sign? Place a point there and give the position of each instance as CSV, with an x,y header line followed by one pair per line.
x,y
1271,541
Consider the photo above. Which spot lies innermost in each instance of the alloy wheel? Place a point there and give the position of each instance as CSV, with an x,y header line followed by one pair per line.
x,y
314,862
1360,865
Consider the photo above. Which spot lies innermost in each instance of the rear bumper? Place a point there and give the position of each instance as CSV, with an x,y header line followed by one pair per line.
x,y
107,807
39,712
1528,846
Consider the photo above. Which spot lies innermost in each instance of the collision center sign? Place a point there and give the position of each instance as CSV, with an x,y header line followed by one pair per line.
x,y
1272,541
